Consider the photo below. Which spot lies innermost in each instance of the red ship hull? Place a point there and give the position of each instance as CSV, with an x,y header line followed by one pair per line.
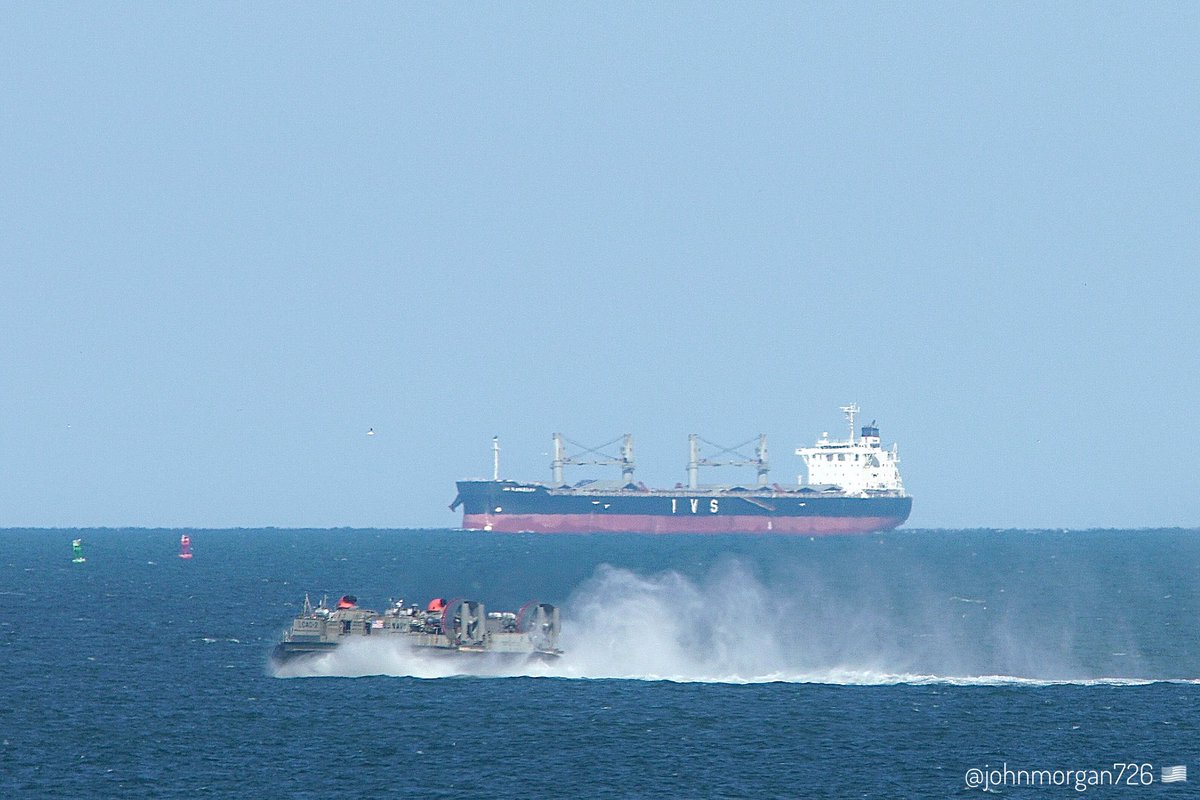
x,y
653,523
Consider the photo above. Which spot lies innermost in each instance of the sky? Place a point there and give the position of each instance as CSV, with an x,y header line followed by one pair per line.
x,y
234,238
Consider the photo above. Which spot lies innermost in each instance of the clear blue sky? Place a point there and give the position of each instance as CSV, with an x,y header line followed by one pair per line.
x,y
232,239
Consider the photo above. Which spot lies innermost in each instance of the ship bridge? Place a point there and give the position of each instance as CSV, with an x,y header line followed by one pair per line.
x,y
858,465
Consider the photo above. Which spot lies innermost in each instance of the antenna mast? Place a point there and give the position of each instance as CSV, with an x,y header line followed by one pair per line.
x,y
850,411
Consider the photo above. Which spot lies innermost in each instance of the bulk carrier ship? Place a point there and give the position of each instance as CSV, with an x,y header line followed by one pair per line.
x,y
852,486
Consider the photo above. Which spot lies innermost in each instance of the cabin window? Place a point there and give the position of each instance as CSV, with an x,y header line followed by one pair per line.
x,y
345,626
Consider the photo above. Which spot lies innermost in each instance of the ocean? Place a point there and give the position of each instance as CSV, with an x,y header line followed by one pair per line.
x,y
916,663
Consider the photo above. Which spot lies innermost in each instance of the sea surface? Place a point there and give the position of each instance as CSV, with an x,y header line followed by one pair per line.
x,y
696,667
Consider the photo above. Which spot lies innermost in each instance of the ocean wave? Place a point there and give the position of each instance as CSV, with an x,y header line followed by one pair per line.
x,y
362,659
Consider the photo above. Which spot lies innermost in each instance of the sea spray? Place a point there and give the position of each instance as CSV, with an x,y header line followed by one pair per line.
x,y
729,626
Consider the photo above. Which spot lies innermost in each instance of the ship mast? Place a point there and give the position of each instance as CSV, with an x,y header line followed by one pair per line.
x,y
693,460
561,459
759,461
850,411
556,466
627,459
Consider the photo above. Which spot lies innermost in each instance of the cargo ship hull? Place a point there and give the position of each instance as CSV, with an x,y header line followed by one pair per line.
x,y
508,506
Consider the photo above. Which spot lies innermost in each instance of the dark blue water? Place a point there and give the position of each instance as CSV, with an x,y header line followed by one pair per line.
x,y
881,666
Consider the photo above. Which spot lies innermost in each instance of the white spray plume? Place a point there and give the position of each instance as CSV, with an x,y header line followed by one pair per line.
x,y
728,627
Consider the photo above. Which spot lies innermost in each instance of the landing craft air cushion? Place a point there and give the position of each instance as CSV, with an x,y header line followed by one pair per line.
x,y
457,627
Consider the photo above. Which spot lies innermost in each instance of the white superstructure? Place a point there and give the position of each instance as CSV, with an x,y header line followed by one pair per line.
x,y
858,466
